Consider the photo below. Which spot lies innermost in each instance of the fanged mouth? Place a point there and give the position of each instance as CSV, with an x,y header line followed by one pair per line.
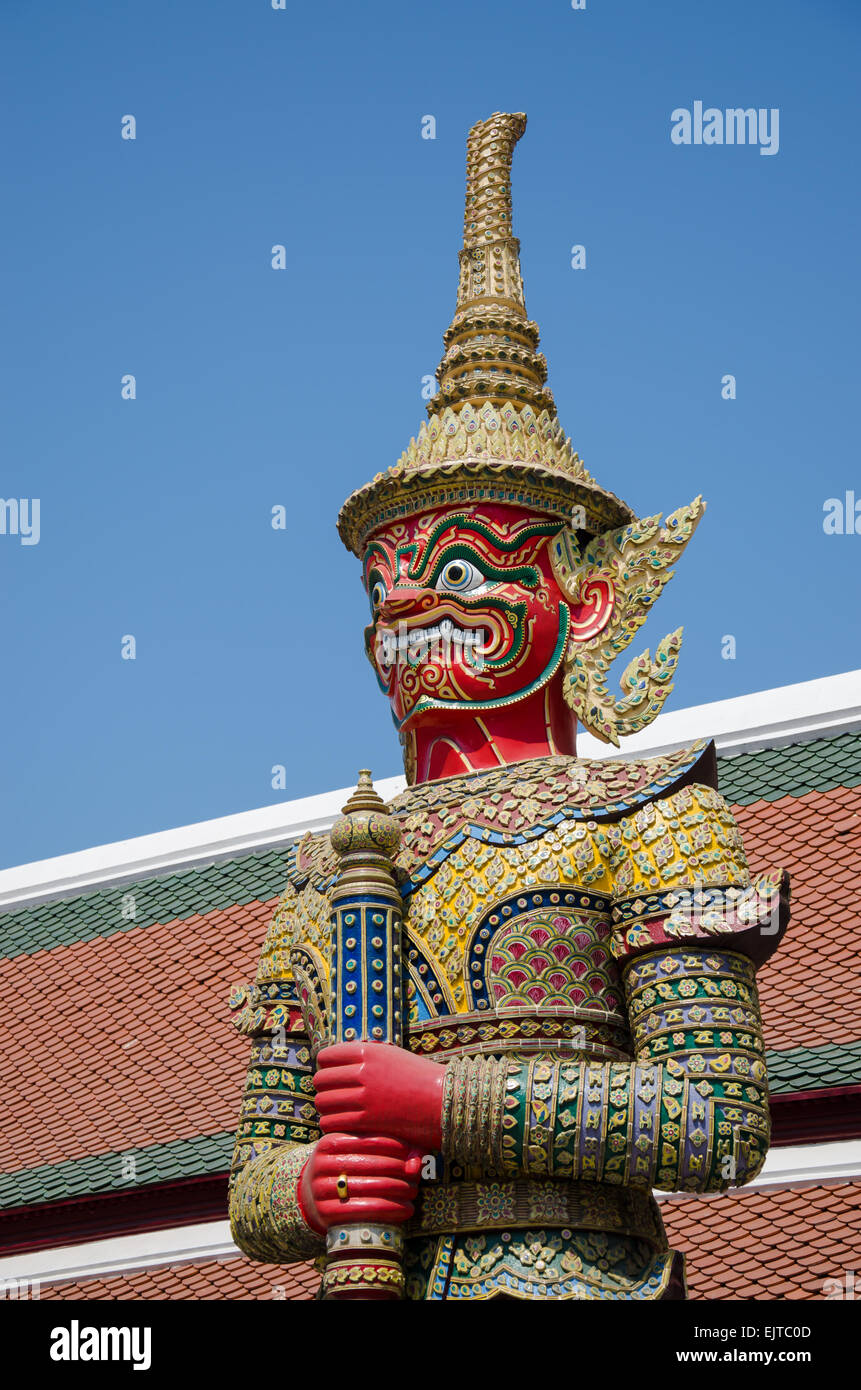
x,y
414,644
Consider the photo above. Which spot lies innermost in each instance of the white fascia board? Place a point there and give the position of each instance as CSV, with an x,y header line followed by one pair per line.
x,y
767,719
798,1165
801,1165
166,850
206,1240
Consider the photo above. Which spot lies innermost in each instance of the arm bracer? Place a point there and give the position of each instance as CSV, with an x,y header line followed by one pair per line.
x,y
278,1127
690,1113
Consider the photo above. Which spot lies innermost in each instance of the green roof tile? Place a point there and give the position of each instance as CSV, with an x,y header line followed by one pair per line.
x,y
250,878
814,1068
209,1153
819,765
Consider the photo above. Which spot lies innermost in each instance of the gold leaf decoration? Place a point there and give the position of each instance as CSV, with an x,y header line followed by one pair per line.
x,y
634,561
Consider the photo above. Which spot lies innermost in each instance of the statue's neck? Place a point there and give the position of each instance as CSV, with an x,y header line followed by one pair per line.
x,y
448,743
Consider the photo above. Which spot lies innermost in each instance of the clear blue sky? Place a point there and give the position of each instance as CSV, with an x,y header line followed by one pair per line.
x,y
257,387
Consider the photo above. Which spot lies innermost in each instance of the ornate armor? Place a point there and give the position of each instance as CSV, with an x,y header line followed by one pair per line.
x,y
581,945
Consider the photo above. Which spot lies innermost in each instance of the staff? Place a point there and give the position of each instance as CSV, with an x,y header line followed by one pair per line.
x,y
365,1261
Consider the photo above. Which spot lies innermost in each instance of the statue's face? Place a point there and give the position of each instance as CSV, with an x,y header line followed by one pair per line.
x,y
466,610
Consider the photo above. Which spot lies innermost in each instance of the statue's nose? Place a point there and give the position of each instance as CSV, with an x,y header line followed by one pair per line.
x,y
403,600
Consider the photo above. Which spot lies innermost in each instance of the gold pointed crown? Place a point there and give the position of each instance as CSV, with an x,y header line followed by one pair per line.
x,y
492,432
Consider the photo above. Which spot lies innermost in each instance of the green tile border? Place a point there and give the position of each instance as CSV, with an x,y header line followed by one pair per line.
x,y
817,766
814,1068
104,912
101,1173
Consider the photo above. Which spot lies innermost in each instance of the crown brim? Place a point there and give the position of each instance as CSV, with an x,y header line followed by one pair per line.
x,y
468,482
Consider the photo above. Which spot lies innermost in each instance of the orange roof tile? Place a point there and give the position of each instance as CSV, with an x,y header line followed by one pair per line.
x,y
767,1243
207,1280
125,1040
811,989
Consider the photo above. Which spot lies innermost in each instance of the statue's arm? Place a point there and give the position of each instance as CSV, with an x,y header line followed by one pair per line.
x,y
277,1132
690,1113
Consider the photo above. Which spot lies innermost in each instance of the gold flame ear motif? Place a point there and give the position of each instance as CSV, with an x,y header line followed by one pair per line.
x,y
635,562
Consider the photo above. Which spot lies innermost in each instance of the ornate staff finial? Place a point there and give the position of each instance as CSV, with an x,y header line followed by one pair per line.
x,y
364,801
364,837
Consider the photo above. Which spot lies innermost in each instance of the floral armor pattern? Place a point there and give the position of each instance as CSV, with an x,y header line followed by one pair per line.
x,y
581,939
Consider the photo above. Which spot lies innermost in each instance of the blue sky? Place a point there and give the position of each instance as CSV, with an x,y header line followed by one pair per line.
x,y
257,388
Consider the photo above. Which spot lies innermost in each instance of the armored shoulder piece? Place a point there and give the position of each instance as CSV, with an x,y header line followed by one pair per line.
x,y
681,875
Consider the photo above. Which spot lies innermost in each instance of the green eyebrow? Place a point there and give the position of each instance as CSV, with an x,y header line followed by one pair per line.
x,y
459,550
421,561
373,575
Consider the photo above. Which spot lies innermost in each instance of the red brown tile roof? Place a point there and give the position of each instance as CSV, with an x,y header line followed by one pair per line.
x,y
206,1280
125,1041
767,1243
811,989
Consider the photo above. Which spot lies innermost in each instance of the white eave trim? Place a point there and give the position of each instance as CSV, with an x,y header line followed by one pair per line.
x,y
207,1240
802,1165
767,719
203,843
798,1165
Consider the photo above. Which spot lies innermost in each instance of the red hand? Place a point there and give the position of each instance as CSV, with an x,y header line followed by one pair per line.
x,y
382,1181
375,1088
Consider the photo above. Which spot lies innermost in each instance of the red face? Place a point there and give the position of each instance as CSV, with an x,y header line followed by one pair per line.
x,y
467,612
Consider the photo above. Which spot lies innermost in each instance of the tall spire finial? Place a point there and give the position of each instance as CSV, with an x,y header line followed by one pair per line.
x,y
493,432
491,345
489,152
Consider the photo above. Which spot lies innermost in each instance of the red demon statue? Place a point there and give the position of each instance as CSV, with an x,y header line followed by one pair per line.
x,y
491,1017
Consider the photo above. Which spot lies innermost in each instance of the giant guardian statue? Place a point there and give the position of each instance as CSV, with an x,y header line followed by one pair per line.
x,y
494,1015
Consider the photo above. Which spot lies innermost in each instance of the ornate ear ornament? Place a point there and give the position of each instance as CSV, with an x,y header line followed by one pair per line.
x,y
631,565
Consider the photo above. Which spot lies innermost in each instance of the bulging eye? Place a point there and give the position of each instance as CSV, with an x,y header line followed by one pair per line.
x,y
378,594
460,577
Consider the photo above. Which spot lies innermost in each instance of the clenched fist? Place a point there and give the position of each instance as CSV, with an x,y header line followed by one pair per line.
x,y
375,1088
382,1181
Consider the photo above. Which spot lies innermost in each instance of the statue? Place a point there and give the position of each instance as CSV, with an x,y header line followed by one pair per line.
x,y
491,1017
